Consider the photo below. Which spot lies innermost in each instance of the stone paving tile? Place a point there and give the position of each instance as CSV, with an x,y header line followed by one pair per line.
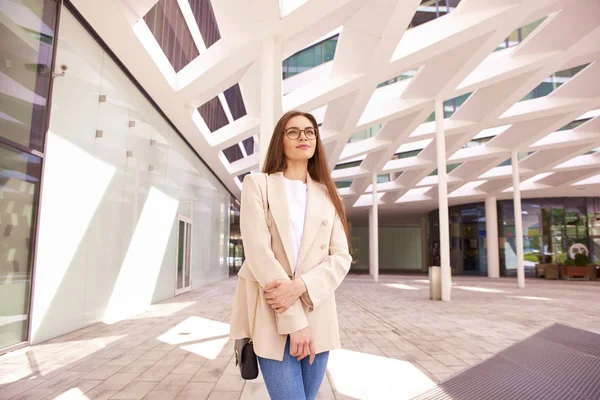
x,y
161,395
74,389
174,382
100,394
155,373
254,391
196,391
440,339
134,390
118,381
215,395
449,360
230,383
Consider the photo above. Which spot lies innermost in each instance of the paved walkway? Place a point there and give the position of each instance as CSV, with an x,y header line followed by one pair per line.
x,y
396,343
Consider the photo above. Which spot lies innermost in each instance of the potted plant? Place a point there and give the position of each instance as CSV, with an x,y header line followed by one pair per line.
x,y
578,267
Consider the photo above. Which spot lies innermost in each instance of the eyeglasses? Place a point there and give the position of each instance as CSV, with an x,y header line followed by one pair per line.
x,y
294,133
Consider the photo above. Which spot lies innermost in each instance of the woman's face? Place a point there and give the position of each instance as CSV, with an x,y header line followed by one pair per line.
x,y
299,144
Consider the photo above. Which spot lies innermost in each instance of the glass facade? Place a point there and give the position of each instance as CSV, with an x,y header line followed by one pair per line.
x,y
553,82
236,249
468,254
167,23
27,42
550,227
432,9
519,34
310,57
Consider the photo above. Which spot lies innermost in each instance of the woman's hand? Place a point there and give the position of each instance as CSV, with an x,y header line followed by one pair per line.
x,y
301,345
281,294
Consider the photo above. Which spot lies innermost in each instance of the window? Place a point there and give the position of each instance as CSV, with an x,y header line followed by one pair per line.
x,y
310,57
166,22
553,82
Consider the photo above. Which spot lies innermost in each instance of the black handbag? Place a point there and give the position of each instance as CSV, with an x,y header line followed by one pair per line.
x,y
245,357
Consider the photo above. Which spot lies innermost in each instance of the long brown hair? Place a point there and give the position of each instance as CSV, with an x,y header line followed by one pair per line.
x,y
317,164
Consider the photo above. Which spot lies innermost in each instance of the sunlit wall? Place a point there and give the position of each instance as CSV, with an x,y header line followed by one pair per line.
x,y
116,180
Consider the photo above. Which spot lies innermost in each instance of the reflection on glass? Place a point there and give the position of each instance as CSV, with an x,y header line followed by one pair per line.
x,y
19,183
26,45
26,41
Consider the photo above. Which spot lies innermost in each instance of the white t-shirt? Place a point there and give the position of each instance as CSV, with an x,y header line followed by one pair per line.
x,y
296,196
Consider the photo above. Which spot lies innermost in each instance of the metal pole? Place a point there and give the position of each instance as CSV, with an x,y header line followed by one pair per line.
x,y
446,273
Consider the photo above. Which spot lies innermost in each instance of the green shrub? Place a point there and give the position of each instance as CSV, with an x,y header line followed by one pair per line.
x,y
569,262
581,260
531,257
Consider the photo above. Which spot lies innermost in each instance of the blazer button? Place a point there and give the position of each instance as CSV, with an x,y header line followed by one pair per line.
x,y
325,222
323,247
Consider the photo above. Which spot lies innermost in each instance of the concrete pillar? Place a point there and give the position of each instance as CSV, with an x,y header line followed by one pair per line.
x,y
270,93
518,220
374,233
440,139
491,229
424,243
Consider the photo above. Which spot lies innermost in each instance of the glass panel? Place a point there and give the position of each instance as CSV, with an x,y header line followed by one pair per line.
x,y
329,47
422,17
19,185
213,114
306,59
553,81
348,165
343,184
318,55
292,63
233,153
235,102
383,178
205,18
180,254
26,43
166,22
529,28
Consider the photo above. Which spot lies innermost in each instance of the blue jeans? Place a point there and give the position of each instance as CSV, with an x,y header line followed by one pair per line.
x,y
291,379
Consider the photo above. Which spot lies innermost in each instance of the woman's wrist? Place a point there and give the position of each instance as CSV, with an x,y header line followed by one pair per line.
x,y
300,286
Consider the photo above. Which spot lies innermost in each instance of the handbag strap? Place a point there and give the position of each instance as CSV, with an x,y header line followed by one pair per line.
x,y
255,309
268,218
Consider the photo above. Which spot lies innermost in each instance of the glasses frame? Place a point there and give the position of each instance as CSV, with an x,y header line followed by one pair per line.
x,y
300,131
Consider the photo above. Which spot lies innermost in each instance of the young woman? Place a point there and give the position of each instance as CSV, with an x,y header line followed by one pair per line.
x,y
294,229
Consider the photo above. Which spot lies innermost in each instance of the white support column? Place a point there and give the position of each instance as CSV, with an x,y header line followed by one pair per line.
x,y
374,233
518,219
446,272
491,229
270,93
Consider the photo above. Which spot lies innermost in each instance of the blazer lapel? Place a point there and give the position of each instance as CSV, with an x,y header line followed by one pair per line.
x,y
281,214
315,205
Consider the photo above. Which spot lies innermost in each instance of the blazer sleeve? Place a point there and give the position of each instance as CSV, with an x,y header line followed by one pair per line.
x,y
262,262
322,280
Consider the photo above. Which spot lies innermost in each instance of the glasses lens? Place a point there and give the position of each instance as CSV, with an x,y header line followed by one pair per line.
x,y
310,133
293,133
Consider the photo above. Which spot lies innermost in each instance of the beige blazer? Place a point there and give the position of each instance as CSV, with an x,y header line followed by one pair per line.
x,y
323,263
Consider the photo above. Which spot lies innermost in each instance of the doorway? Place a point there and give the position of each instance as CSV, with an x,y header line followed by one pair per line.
x,y
183,274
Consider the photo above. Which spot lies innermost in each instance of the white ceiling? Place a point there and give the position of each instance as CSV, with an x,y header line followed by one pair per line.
x,y
454,55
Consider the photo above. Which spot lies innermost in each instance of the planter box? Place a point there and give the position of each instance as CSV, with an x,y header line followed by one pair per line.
x,y
578,272
548,271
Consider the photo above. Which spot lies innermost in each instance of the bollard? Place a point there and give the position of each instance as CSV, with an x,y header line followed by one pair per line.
x,y
435,283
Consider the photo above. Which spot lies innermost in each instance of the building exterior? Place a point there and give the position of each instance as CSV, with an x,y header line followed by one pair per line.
x,y
127,127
